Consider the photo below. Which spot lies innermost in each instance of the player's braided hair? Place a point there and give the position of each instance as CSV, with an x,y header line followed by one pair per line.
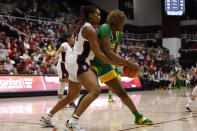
x,y
116,17
84,15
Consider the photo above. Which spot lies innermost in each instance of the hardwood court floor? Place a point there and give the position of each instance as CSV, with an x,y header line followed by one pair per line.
x,y
166,108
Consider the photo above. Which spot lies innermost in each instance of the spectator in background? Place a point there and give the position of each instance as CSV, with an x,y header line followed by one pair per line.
x,y
8,65
50,51
53,67
166,80
7,42
154,80
26,43
27,70
38,72
14,43
29,62
43,66
49,71
14,72
180,78
17,59
1,64
26,55
3,53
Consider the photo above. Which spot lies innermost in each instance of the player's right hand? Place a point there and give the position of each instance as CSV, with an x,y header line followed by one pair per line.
x,y
134,67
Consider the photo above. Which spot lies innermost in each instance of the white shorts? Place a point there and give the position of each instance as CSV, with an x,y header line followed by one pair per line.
x,y
75,69
62,71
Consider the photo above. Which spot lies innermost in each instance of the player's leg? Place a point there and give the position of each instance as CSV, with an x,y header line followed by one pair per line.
x,y
89,81
191,98
74,90
116,85
63,75
61,88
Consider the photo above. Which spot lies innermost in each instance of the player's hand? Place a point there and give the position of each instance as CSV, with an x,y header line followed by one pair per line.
x,y
134,67
55,59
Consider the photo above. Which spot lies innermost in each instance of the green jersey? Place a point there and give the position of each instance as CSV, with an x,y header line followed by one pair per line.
x,y
105,30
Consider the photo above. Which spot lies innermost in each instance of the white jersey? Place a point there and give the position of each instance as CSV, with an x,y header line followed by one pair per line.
x,y
65,53
82,51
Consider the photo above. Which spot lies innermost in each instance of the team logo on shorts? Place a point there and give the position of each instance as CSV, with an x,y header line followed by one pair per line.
x,y
84,67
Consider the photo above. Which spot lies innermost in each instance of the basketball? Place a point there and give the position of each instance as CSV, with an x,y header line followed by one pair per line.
x,y
127,72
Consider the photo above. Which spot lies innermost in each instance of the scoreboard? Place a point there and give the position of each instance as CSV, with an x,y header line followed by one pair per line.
x,y
175,7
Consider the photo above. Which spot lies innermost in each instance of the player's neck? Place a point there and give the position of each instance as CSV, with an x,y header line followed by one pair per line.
x,y
113,30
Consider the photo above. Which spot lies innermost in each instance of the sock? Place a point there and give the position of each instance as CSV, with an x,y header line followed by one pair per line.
x,y
48,116
74,119
137,114
189,101
110,96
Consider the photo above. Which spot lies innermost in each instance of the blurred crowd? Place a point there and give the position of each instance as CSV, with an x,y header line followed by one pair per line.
x,y
157,69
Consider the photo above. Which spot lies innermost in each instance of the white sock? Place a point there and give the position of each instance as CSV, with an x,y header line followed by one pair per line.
x,y
48,116
189,100
74,119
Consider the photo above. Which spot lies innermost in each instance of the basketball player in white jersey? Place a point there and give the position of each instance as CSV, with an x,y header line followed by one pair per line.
x,y
193,95
63,52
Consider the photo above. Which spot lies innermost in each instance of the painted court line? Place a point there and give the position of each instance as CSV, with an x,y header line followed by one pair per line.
x,y
159,123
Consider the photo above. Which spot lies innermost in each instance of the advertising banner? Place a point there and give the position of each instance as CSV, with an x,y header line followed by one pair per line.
x,y
42,83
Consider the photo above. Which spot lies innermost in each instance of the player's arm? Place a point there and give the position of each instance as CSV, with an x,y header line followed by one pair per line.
x,y
59,51
117,49
105,44
90,34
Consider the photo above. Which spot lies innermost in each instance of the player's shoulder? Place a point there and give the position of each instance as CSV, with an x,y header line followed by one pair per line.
x,y
64,43
105,26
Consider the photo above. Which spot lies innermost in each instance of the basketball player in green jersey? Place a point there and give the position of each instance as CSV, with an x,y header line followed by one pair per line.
x,y
110,36
115,48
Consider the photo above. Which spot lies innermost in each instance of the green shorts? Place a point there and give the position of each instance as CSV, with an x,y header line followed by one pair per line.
x,y
105,72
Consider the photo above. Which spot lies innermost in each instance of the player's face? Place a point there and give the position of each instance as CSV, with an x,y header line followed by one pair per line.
x,y
96,16
71,40
120,27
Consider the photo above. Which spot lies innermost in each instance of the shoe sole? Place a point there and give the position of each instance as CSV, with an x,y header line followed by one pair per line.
x,y
188,109
44,126
66,128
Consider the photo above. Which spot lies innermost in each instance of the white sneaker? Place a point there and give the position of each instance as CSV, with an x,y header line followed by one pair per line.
x,y
72,127
46,123
188,108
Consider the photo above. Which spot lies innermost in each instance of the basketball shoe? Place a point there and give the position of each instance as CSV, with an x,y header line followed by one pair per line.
x,y
72,126
46,123
143,120
188,107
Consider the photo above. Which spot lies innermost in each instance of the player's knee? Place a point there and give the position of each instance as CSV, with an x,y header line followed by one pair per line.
x,y
96,92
